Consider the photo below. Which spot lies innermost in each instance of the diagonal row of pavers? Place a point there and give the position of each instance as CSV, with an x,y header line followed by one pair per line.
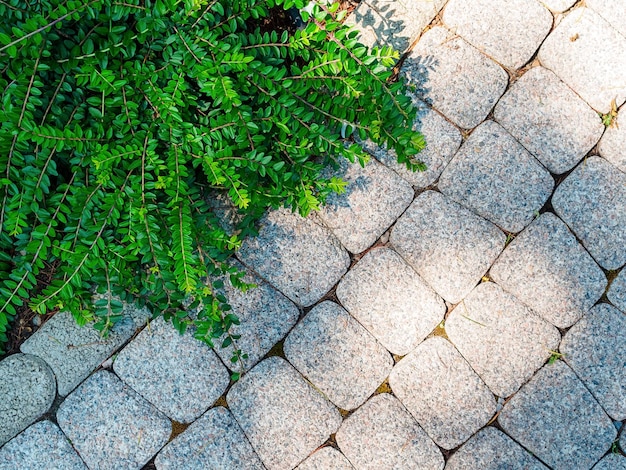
x,y
482,322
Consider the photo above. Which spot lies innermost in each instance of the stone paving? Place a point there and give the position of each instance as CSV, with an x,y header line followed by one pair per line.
x,y
469,317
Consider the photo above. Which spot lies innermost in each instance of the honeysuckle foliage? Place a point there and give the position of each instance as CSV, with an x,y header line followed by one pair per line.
x,y
120,118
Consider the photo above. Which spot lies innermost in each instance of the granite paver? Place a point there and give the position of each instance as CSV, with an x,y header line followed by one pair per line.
x,y
549,119
392,23
40,447
496,177
27,388
617,291
388,297
588,55
183,380
612,11
611,462
337,355
595,348
450,247
442,392
283,417
556,418
558,6
375,197
591,202
73,352
612,146
454,77
324,459
110,425
501,338
381,434
491,449
297,255
213,441
547,269
442,138
509,31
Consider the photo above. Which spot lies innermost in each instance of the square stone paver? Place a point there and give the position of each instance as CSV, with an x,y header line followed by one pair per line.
x,y
325,459
454,77
283,417
389,299
110,425
298,256
509,31
595,348
613,11
375,197
214,441
549,119
491,449
41,447
556,418
73,352
337,355
613,143
501,338
591,201
393,23
558,6
27,391
547,269
381,434
588,55
265,317
496,177
178,374
442,392
442,142
611,462
617,291
450,247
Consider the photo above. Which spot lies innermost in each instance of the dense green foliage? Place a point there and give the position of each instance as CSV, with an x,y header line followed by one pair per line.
x,y
120,117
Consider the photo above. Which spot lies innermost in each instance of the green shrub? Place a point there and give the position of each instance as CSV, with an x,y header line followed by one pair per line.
x,y
120,117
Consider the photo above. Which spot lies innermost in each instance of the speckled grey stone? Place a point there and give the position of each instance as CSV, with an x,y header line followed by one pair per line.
x,y
595,348
177,373
556,418
549,119
284,418
213,441
622,440
337,355
547,269
298,256
375,197
442,392
27,389
442,142
387,297
449,246
588,55
557,6
496,177
41,447
491,449
509,31
454,77
392,23
591,202
74,352
265,316
502,339
612,146
110,425
617,291
325,459
613,11
611,462
381,434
